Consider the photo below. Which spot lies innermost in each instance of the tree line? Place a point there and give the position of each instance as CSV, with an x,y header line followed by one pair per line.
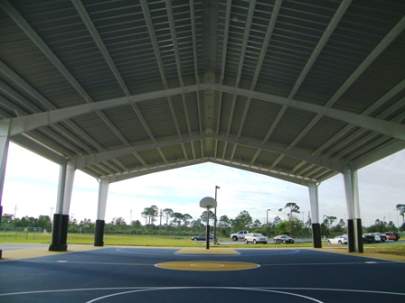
x,y
170,222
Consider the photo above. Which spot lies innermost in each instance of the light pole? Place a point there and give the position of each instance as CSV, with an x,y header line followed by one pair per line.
x,y
267,216
215,215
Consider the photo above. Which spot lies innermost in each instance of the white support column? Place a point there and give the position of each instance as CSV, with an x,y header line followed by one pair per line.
x,y
61,189
102,199
101,208
69,179
314,202
61,216
4,143
353,210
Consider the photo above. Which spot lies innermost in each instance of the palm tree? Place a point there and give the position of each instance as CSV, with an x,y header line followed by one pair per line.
x,y
168,214
293,208
186,219
401,209
150,214
178,218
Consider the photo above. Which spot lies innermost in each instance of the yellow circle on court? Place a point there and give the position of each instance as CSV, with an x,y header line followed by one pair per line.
x,y
206,265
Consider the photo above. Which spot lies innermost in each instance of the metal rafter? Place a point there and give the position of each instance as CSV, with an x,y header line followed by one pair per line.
x,y
27,108
384,43
380,102
156,51
196,75
50,55
268,172
262,55
78,4
314,56
354,149
152,169
223,65
295,153
353,139
35,95
391,129
105,155
173,34
248,25
30,122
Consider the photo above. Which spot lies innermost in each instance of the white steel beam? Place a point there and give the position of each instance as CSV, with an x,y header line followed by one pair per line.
x,y
223,66
380,102
173,35
86,160
387,128
33,121
245,40
19,82
314,56
263,51
296,153
357,138
266,171
151,169
156,51
196,74
57,63
384,43
107,57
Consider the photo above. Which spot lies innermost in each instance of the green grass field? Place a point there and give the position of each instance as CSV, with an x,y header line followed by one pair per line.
x,y
130,240
171,241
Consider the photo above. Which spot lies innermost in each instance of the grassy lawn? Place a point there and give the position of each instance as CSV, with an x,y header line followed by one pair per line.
x,y
177,241
397,249
131,240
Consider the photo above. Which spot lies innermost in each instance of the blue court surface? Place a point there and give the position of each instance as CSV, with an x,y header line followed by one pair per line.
x,y
130,275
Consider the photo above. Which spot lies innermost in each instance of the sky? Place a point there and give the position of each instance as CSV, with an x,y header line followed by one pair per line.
x,y
31,189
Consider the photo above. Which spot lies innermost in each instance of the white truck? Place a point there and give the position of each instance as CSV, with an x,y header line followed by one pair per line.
x,y
240,235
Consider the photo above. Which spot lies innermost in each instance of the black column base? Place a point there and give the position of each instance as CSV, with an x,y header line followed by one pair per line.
x,y
59,232
316,235
207,235
359,236
99,233
350,235
1,254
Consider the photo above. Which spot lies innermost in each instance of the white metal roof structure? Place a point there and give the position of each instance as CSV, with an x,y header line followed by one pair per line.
x,y
293,89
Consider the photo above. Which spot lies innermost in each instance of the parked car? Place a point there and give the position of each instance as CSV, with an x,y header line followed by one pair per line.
x,y
392,235
338,240
240,235
201,238
283,239
371,238
255,238
383,237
